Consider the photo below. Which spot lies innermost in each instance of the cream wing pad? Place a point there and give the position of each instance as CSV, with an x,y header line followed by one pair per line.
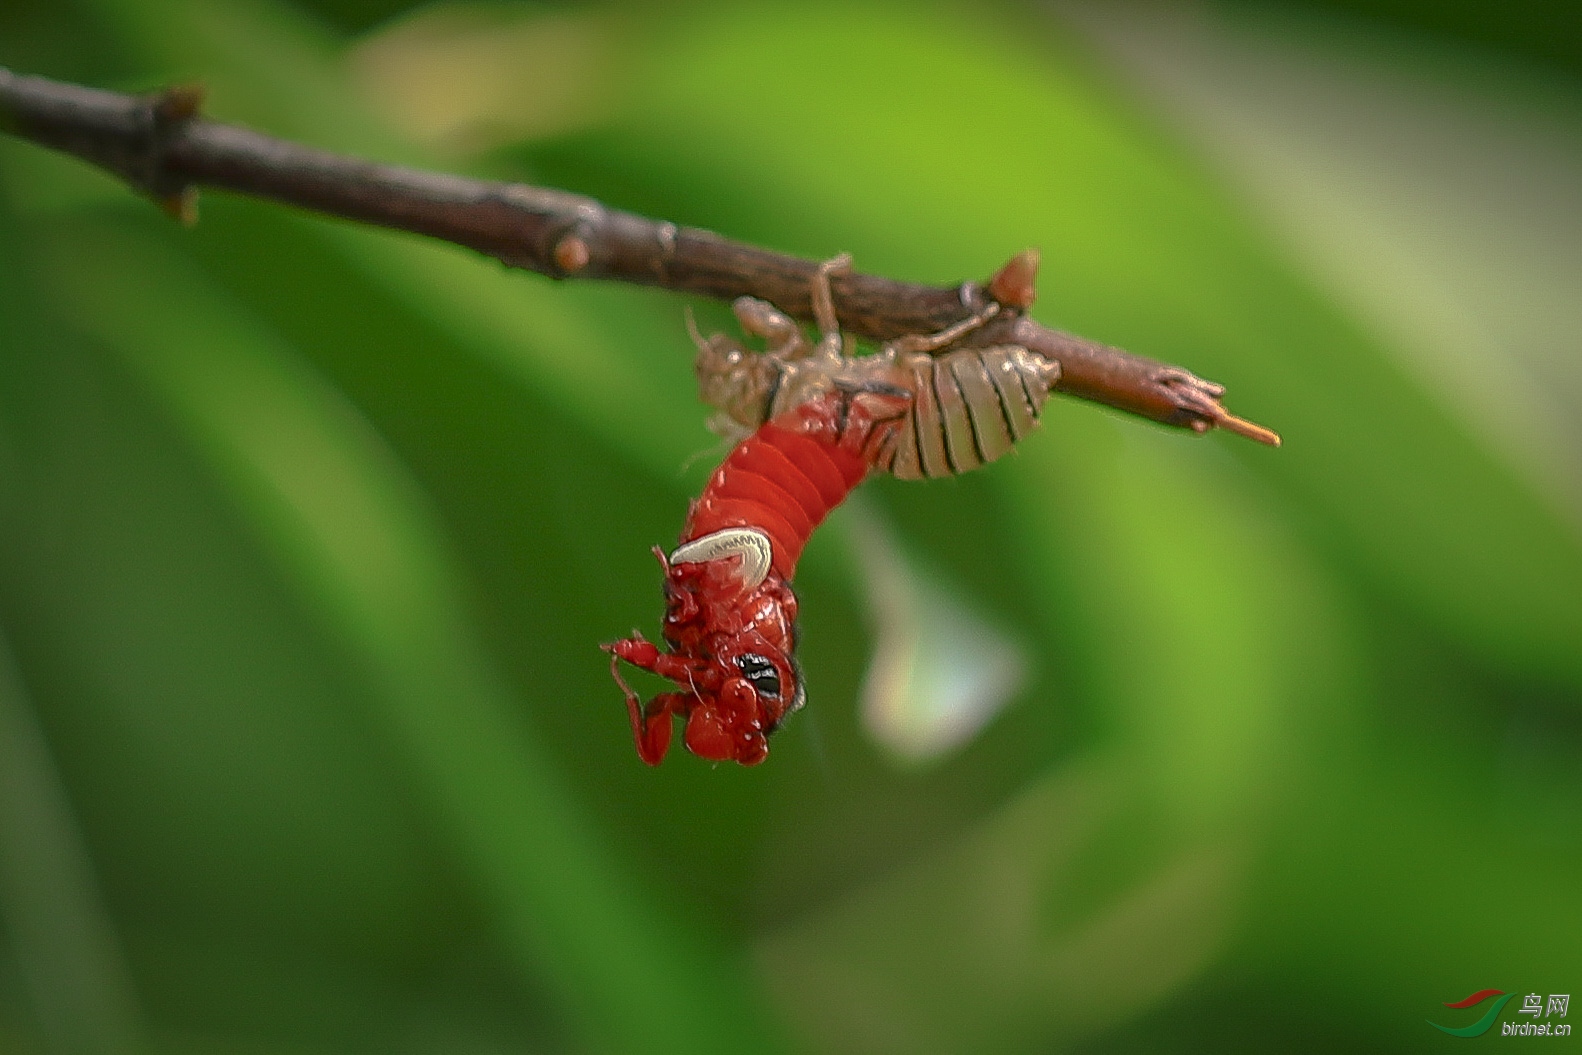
x,y
750,544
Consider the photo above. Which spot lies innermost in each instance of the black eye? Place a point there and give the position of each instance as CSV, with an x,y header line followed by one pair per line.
x,y
761,673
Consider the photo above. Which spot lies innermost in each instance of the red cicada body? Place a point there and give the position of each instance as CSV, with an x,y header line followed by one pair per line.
x,y
812,423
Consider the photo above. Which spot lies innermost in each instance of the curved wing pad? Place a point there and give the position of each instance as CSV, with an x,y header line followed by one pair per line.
x,y
750,544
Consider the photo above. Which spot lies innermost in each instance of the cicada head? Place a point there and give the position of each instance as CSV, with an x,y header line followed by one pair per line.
x,y
752,687
732,700
730,622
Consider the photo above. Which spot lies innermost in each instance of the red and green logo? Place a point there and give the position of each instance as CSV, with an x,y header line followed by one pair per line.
x,y
1482,1025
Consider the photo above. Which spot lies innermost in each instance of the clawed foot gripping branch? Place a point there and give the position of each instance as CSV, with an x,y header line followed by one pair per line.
x,y
962,373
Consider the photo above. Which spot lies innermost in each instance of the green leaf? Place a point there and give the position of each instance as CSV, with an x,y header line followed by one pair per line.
x,y
350,533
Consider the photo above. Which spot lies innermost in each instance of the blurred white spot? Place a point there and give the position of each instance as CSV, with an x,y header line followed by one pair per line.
x,y
939,672
464,78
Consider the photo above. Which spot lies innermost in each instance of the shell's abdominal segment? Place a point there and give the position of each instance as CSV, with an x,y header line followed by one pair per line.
x,y
966,405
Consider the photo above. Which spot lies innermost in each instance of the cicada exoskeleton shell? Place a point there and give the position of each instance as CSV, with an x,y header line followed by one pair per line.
x,y
811,423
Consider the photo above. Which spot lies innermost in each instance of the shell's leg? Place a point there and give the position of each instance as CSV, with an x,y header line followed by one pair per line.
x,y
1010,288
930,343
830,344
781,335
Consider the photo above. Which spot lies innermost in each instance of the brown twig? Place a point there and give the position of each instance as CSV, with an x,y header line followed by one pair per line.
x,y
160,145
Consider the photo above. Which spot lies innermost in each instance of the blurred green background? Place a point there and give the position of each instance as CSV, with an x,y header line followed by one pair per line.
x,y
308,534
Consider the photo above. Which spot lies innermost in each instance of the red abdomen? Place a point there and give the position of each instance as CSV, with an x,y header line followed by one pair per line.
x,y
783,480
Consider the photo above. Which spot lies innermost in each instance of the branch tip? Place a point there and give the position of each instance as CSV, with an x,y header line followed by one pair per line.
x,y
1242,427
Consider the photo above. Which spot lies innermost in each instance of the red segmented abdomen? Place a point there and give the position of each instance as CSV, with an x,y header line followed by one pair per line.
x,y
783,480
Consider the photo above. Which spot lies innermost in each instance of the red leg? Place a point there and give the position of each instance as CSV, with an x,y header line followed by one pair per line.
x,y
652,732
640,652
651,725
